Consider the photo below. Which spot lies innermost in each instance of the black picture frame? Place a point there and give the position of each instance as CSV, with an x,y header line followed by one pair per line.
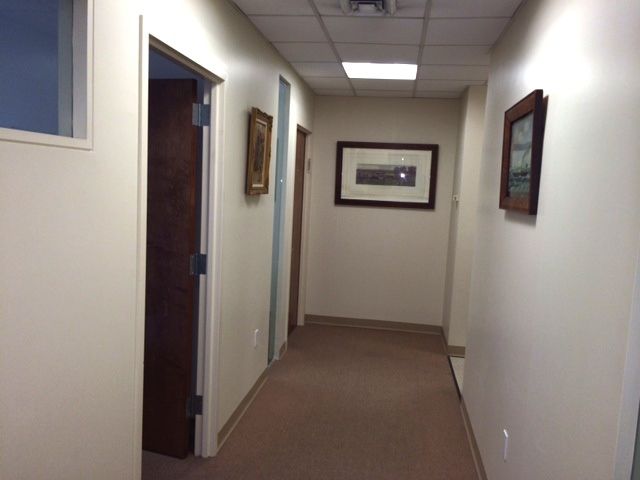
x,y
424,199
522,143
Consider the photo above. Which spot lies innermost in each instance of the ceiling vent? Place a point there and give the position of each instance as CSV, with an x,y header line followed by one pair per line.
x,y
369,7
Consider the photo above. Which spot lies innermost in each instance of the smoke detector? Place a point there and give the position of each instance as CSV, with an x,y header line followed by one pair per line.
x,y
369,7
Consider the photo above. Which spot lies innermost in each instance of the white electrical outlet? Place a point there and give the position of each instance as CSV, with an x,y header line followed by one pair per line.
x,y
505,450
255,337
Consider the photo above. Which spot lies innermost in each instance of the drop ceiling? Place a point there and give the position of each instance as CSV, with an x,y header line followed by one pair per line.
x,y
448,39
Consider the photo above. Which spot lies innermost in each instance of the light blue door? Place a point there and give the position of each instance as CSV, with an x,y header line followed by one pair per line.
x,y
278,212
635,474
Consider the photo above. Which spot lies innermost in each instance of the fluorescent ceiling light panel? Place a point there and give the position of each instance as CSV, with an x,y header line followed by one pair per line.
x,y
382,71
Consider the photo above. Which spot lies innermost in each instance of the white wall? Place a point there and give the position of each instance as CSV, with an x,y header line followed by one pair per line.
x,y
379,263
68,250
204,29
551,295
463,216
67,282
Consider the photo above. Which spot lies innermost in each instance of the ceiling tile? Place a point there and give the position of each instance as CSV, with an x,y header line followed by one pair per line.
x,y
452,72
406,8
456,55
328,83
383,93
367,52
473,8
319,69
274,7
465,31
436,94
289,29
333,92
369,84
374,30
446,85
306,52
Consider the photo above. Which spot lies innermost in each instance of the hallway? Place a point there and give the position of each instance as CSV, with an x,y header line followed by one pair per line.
x,y
344,403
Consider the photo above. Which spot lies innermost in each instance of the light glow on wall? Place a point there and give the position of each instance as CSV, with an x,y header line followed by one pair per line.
x,y
560,61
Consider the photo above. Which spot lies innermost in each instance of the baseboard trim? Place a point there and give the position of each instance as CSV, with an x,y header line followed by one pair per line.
x,y
475,451
455,380
456,351
237,414
373,324
283,350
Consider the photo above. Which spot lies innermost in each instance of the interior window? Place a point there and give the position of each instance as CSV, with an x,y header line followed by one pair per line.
x,y
43,58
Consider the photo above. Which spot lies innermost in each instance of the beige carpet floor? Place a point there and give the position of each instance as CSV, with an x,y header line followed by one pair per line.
x,y
344,403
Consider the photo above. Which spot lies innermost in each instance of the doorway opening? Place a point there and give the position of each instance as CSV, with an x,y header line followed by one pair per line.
x,y
175,256
296,235
282,146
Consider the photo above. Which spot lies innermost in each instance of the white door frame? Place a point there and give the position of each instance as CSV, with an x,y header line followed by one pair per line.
x,y
215,74
306,221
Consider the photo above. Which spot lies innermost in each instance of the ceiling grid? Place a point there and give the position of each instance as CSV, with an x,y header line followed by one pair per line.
x,y
331,44
449,40
423,37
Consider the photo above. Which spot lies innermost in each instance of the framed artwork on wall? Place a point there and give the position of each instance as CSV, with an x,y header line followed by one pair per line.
x,y
401,175
259,155
522,154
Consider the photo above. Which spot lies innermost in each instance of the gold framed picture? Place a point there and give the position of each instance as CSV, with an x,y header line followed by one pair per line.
x,y
259,156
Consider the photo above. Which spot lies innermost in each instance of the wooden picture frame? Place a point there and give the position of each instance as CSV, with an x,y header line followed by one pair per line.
x,y
398,175
522,154
259,154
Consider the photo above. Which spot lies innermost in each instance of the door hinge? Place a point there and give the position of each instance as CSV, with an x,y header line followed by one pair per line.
x,y
194,406
201,116
198,264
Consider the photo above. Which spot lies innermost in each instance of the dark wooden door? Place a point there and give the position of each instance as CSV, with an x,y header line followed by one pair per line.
x,y
171,229
296,243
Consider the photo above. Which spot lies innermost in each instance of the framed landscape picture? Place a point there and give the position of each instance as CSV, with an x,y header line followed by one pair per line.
x,y
399,175
259,155
522,154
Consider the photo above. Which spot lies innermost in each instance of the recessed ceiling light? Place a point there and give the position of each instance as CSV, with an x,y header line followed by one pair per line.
x,y
383,71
